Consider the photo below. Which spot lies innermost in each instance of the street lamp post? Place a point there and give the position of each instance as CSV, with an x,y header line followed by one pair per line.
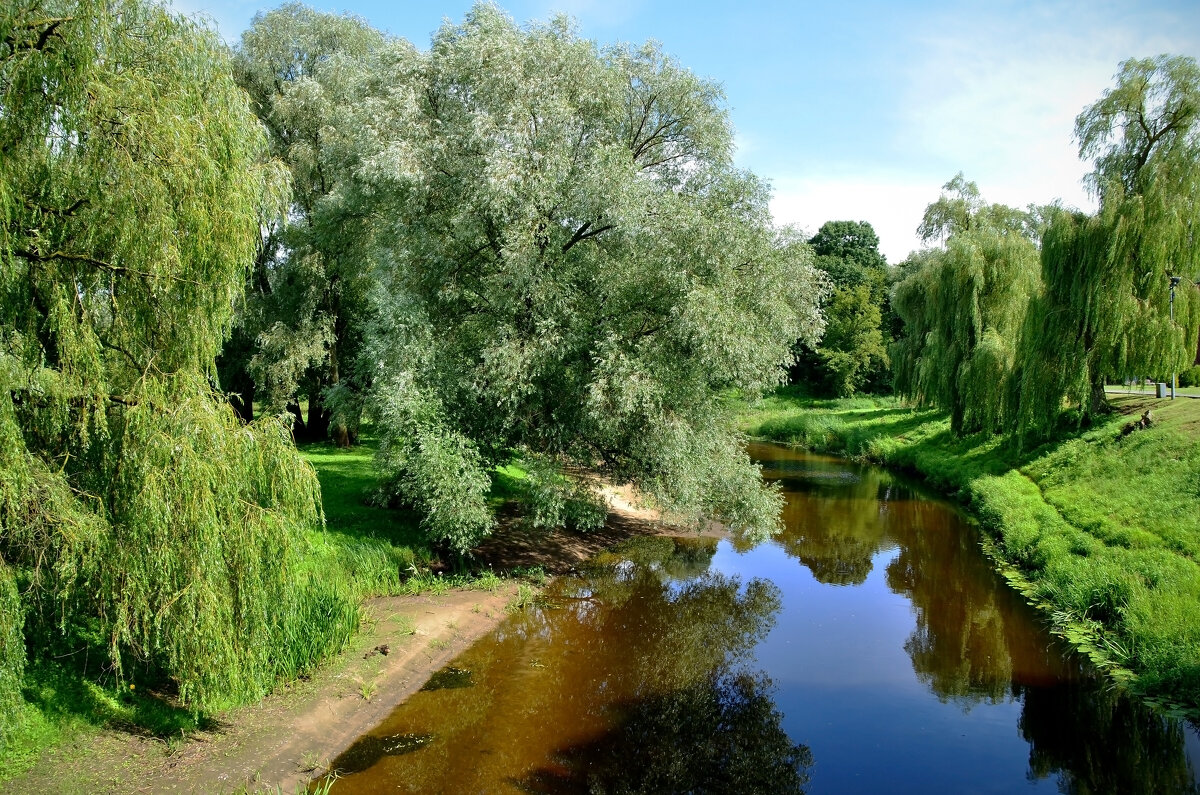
x,y
1175,280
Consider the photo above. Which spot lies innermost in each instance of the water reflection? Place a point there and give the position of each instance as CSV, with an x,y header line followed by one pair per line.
x,y
638,661
1113,744
674,665
837,546
720,735
973,640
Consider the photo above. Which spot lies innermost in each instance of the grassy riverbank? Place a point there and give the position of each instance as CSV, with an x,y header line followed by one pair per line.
x,y
362,552
1100,529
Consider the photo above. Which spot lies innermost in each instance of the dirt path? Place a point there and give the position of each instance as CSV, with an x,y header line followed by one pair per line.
x,y
291,736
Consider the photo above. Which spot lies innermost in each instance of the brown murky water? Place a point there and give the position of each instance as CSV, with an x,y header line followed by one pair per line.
x,y
869,648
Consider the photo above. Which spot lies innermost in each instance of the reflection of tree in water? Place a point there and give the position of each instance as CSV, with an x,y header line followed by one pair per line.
x,y
839,517
1099,741
676,621
975,641
961,646
718,735
647,643
835,520
663,651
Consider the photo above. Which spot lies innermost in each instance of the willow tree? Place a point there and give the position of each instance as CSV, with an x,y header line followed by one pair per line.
x,y
1106,312
298,338
961,208
963,309
577,273
134,507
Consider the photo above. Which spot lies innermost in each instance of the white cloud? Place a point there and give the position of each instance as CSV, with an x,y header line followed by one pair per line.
x,y
996,95
893,206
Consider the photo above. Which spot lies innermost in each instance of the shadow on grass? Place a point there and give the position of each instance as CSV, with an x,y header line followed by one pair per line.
x,y
348,480
64,694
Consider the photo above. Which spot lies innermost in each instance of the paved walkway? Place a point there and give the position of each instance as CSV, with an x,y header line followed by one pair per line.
x,y
1147,392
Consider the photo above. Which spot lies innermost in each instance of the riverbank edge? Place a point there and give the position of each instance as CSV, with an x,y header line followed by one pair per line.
x,y
989,501
287,742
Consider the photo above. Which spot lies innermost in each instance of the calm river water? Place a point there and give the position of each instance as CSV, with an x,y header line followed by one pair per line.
x,y
868,648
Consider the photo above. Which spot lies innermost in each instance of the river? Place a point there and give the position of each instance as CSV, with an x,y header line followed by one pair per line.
x,y
869,647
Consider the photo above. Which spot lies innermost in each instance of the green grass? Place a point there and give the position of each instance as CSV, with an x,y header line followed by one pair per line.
x,y
1099,529
60,703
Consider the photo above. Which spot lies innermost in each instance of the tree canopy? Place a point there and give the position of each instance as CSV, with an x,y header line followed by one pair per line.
x,y
852,353
849,252
1106,312
134,507
961,208
575,272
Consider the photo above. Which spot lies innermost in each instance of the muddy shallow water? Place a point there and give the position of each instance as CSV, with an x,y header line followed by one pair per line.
x,y
868,648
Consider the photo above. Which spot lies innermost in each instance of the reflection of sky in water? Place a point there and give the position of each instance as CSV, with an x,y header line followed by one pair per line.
x,y
846,688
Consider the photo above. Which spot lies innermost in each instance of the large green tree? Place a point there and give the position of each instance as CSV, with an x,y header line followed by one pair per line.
x,y
1106,312
576,272
307,73
852,354
849,252
133,504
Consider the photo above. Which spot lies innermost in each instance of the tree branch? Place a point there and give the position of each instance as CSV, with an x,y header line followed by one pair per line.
x,y
52,24
37,256
582,234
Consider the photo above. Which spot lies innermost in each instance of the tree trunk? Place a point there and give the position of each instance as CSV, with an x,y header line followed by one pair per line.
x,y
318,421
1097,404
338,431
299,429
340,434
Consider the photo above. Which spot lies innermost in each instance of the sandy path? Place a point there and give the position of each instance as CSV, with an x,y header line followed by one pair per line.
x,y
289,736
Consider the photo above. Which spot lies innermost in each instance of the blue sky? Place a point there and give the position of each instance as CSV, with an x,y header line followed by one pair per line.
x,y
862,110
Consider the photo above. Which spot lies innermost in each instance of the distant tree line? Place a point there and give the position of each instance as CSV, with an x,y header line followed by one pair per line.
x,y
1015,319
1021,316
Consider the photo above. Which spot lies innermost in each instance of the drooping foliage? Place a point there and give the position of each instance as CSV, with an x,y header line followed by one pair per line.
x,y
12,654
1105,310
298,338
963,309
961,208
136,510
575,271
1107,307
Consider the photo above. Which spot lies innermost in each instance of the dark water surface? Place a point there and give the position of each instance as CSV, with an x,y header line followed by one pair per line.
x,y
868,648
